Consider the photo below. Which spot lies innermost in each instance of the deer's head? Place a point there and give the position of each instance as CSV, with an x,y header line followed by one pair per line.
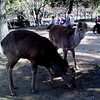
x,y
81,29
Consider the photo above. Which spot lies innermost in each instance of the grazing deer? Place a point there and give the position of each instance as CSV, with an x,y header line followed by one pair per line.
x,y
67,37
39,50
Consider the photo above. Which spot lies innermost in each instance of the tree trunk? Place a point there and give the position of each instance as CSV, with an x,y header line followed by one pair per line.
x,y
3,28
71,5
3,22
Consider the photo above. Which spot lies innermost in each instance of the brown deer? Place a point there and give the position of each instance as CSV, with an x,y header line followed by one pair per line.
x,y
67,37
27,44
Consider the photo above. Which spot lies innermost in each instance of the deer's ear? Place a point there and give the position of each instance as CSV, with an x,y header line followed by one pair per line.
x,y
86,26
79,24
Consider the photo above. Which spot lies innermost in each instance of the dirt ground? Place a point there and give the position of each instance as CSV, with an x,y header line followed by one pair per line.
x,y
87,80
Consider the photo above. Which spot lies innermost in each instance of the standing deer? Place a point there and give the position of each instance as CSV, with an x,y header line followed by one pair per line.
x,y
67,37
37,49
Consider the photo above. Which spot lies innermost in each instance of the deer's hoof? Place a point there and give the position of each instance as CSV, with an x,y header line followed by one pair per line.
x,y
34,91
15,87
13,94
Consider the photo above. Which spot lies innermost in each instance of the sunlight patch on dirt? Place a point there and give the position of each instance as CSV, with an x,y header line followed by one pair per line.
x,y
94,89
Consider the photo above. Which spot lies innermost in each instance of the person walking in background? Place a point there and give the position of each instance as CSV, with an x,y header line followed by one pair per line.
x,y
97,20
70,19
97,25
53,20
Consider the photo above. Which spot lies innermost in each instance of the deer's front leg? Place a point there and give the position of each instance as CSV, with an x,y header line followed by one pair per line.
x,y
65,51
73,54
33,71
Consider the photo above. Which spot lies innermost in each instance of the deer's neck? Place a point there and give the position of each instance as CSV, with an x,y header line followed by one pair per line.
x,y
78,36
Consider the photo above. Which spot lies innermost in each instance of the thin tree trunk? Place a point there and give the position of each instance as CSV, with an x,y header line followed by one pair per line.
x,y
91,13
77,11
85,13
37,14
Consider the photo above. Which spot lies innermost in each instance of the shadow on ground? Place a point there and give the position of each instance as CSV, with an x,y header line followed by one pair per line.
x,y
88,84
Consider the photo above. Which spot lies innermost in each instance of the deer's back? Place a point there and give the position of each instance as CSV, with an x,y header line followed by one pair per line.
x,y
60,35
26,44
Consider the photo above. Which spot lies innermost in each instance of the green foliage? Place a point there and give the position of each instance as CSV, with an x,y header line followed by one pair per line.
x,y
22,5
10,1
89,3
58,3
85,4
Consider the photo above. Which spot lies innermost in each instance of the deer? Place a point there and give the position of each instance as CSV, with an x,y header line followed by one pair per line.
x,y
37,49
67,38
